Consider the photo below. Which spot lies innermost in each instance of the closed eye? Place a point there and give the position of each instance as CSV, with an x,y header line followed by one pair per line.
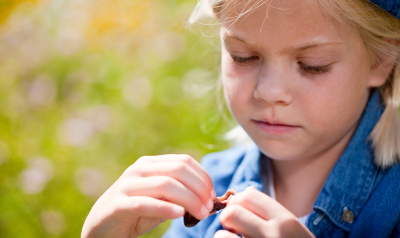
x,y
315,69
244,60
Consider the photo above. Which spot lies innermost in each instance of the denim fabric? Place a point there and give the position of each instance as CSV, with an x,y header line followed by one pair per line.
x,y
392,6
355,184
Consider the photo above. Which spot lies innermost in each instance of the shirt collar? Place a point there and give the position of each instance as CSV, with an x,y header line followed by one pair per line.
x,y
248,172
351,180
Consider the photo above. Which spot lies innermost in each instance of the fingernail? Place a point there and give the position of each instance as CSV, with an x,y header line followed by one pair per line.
x,y
204,212
213,194
178,210
210,205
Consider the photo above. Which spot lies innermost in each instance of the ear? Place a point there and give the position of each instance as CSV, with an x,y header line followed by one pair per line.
x,y
383,66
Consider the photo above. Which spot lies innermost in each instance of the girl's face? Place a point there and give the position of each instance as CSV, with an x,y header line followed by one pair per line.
x,y
296,80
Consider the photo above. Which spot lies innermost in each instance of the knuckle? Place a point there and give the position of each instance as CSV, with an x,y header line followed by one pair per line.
x,y
245,197
118,206
241,198
251,193
131,169
143,159
222,234
165,184
287,227
136,204
219,234
124,185
186,158
287,220
229,213
159,207
179,167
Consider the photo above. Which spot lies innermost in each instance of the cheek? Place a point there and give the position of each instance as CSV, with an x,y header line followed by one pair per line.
x,y
234,93
238,82
337,102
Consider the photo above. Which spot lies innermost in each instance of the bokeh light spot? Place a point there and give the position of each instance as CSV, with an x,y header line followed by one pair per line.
x,y
77,131
53,222
138,92
42,91
35,177
198,83
90,181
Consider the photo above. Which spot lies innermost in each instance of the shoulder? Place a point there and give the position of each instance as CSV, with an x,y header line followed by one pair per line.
x,y
380,216
222,165
230,157
387,182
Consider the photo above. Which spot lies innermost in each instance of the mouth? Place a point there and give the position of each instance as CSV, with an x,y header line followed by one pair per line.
x,y
275,127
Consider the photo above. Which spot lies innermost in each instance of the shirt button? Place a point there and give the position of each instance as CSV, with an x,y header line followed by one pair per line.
x,y
347,215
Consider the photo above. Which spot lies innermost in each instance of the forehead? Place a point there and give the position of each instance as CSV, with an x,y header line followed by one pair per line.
x,y
282,22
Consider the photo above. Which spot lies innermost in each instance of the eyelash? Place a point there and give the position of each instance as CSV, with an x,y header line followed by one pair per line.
x,y
244,60
315,69
308,68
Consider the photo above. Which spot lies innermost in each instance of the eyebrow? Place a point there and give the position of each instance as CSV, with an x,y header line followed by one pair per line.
x,y
300,47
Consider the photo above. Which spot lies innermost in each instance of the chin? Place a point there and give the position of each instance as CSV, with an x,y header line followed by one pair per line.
x,y
277,151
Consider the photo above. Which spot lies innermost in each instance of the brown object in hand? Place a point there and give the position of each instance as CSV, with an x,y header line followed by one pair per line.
x,y
219,204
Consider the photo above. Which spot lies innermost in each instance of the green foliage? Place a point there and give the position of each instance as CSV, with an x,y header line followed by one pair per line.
x,y
79,105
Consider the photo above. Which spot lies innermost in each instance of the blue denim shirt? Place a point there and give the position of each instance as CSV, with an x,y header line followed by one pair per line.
x,y
392,6
358,198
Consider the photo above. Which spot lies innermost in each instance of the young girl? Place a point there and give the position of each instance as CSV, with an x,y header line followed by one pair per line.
x,y
316,86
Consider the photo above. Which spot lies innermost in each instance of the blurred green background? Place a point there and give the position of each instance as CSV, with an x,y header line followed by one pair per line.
x,y
86,88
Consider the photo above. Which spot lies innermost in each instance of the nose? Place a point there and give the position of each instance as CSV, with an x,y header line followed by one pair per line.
x,y
274,86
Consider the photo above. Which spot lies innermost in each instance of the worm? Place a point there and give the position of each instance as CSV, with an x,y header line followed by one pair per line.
x,y
219,204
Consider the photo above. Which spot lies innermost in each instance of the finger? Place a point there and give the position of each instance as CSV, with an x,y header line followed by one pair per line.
x,y
243,215
240,220
147,207
184,174
182,158
225,234
163,187
260,204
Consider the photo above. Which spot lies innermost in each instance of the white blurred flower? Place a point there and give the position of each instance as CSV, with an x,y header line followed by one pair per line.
x,y
198,82
77,131
35,177
25,44
68,41
101,116
53,222
168,45
138,92
91,181
42,91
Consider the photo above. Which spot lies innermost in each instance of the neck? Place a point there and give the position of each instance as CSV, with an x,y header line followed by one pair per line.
x,y
298,182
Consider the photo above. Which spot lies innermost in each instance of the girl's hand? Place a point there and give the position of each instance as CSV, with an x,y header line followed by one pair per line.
x,y
153,189
255,214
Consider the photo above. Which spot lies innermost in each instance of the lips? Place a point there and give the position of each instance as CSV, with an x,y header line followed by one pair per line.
x,y
275,127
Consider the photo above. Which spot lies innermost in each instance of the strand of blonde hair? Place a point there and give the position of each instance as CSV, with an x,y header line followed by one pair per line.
x,y
386,133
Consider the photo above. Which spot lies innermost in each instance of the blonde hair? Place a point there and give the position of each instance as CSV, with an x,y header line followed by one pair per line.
x,y
380,32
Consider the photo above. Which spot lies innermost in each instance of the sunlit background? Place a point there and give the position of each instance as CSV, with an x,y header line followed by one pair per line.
x,y
86,88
